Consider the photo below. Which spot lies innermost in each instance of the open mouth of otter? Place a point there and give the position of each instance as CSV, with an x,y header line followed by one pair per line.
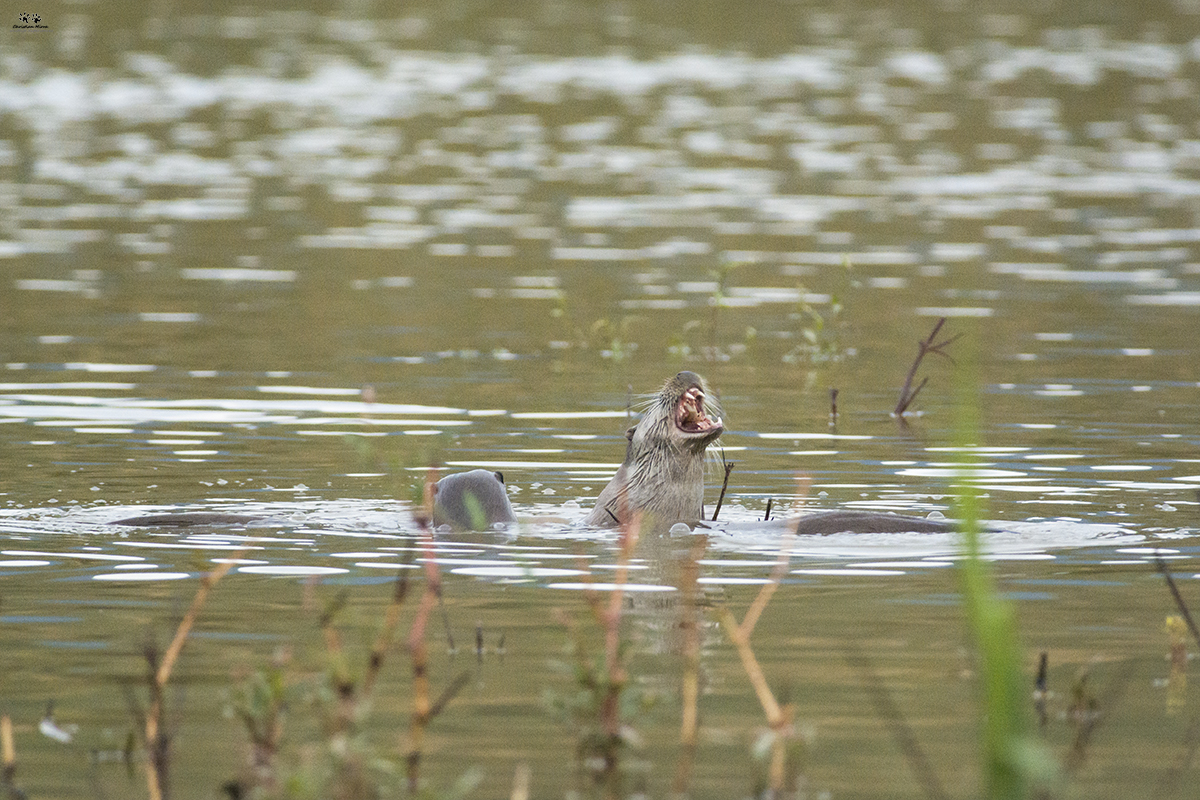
x,y
690,417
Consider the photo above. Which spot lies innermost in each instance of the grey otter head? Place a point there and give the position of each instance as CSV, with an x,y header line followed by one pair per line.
x,y
471,501
663,473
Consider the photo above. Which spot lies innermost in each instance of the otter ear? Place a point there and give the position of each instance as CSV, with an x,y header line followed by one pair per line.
x,y
629,433
499,476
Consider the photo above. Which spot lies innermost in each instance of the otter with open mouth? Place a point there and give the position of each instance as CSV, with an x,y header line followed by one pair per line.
x,y
662,476
663,473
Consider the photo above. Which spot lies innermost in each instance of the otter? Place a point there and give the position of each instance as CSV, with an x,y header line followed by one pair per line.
x,y
472,501
821,523
187,519
662,476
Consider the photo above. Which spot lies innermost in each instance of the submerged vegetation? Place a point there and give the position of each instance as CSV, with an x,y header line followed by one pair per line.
x,y
725,329
610,338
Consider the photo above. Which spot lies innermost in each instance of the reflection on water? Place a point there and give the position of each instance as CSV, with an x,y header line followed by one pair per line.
x,y
275,262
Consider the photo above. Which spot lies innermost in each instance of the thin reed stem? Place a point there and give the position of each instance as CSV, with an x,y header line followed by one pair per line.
x,y
157,743
779,717
689,623
1179,601
724,487
8,760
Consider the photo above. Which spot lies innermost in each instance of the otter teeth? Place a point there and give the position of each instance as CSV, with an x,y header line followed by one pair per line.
x,y
691,416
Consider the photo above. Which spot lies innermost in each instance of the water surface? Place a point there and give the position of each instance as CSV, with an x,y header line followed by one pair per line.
x,y
279,262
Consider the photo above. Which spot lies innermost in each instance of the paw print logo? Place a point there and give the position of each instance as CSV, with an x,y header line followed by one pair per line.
x,y
36,19
24,19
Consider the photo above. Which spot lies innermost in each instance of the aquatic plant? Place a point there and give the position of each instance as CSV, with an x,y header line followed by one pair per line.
x,y
780,744
260,703
611,338
683,345
716,301
1176,626
424,710
346,763
897,726
1015,763
600,707
679,344
821,332
155,738
8,760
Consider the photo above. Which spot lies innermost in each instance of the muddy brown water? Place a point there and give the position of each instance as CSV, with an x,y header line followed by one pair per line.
x,y
275,262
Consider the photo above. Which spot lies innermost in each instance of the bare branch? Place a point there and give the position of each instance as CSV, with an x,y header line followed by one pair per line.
x,y
724,487
929,345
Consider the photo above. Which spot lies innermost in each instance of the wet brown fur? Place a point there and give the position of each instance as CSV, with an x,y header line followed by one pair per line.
x,y
663,473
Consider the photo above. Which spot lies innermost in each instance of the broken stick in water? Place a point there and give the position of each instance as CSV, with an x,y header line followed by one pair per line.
x,y
724,486
907,393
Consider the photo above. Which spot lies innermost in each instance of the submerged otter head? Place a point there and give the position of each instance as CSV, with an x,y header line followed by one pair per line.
x,y
663,473
472,501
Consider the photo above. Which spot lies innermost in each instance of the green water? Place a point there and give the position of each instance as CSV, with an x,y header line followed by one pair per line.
x,y
277,262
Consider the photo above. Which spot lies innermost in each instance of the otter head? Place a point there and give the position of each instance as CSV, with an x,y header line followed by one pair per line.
x,y
472,501
680,417
662,477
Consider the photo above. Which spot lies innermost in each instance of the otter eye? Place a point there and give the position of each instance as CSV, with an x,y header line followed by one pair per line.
x,y
499,476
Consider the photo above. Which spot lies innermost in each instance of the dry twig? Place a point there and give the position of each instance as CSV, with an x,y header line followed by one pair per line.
x,y
424,709
724,487
157,741
1088,712
1040,690
391,620
779,717
689,624
907,393
8,760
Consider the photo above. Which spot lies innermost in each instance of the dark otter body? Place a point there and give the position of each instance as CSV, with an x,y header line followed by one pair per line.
x,y
821,523
662,476
472,501
186,520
